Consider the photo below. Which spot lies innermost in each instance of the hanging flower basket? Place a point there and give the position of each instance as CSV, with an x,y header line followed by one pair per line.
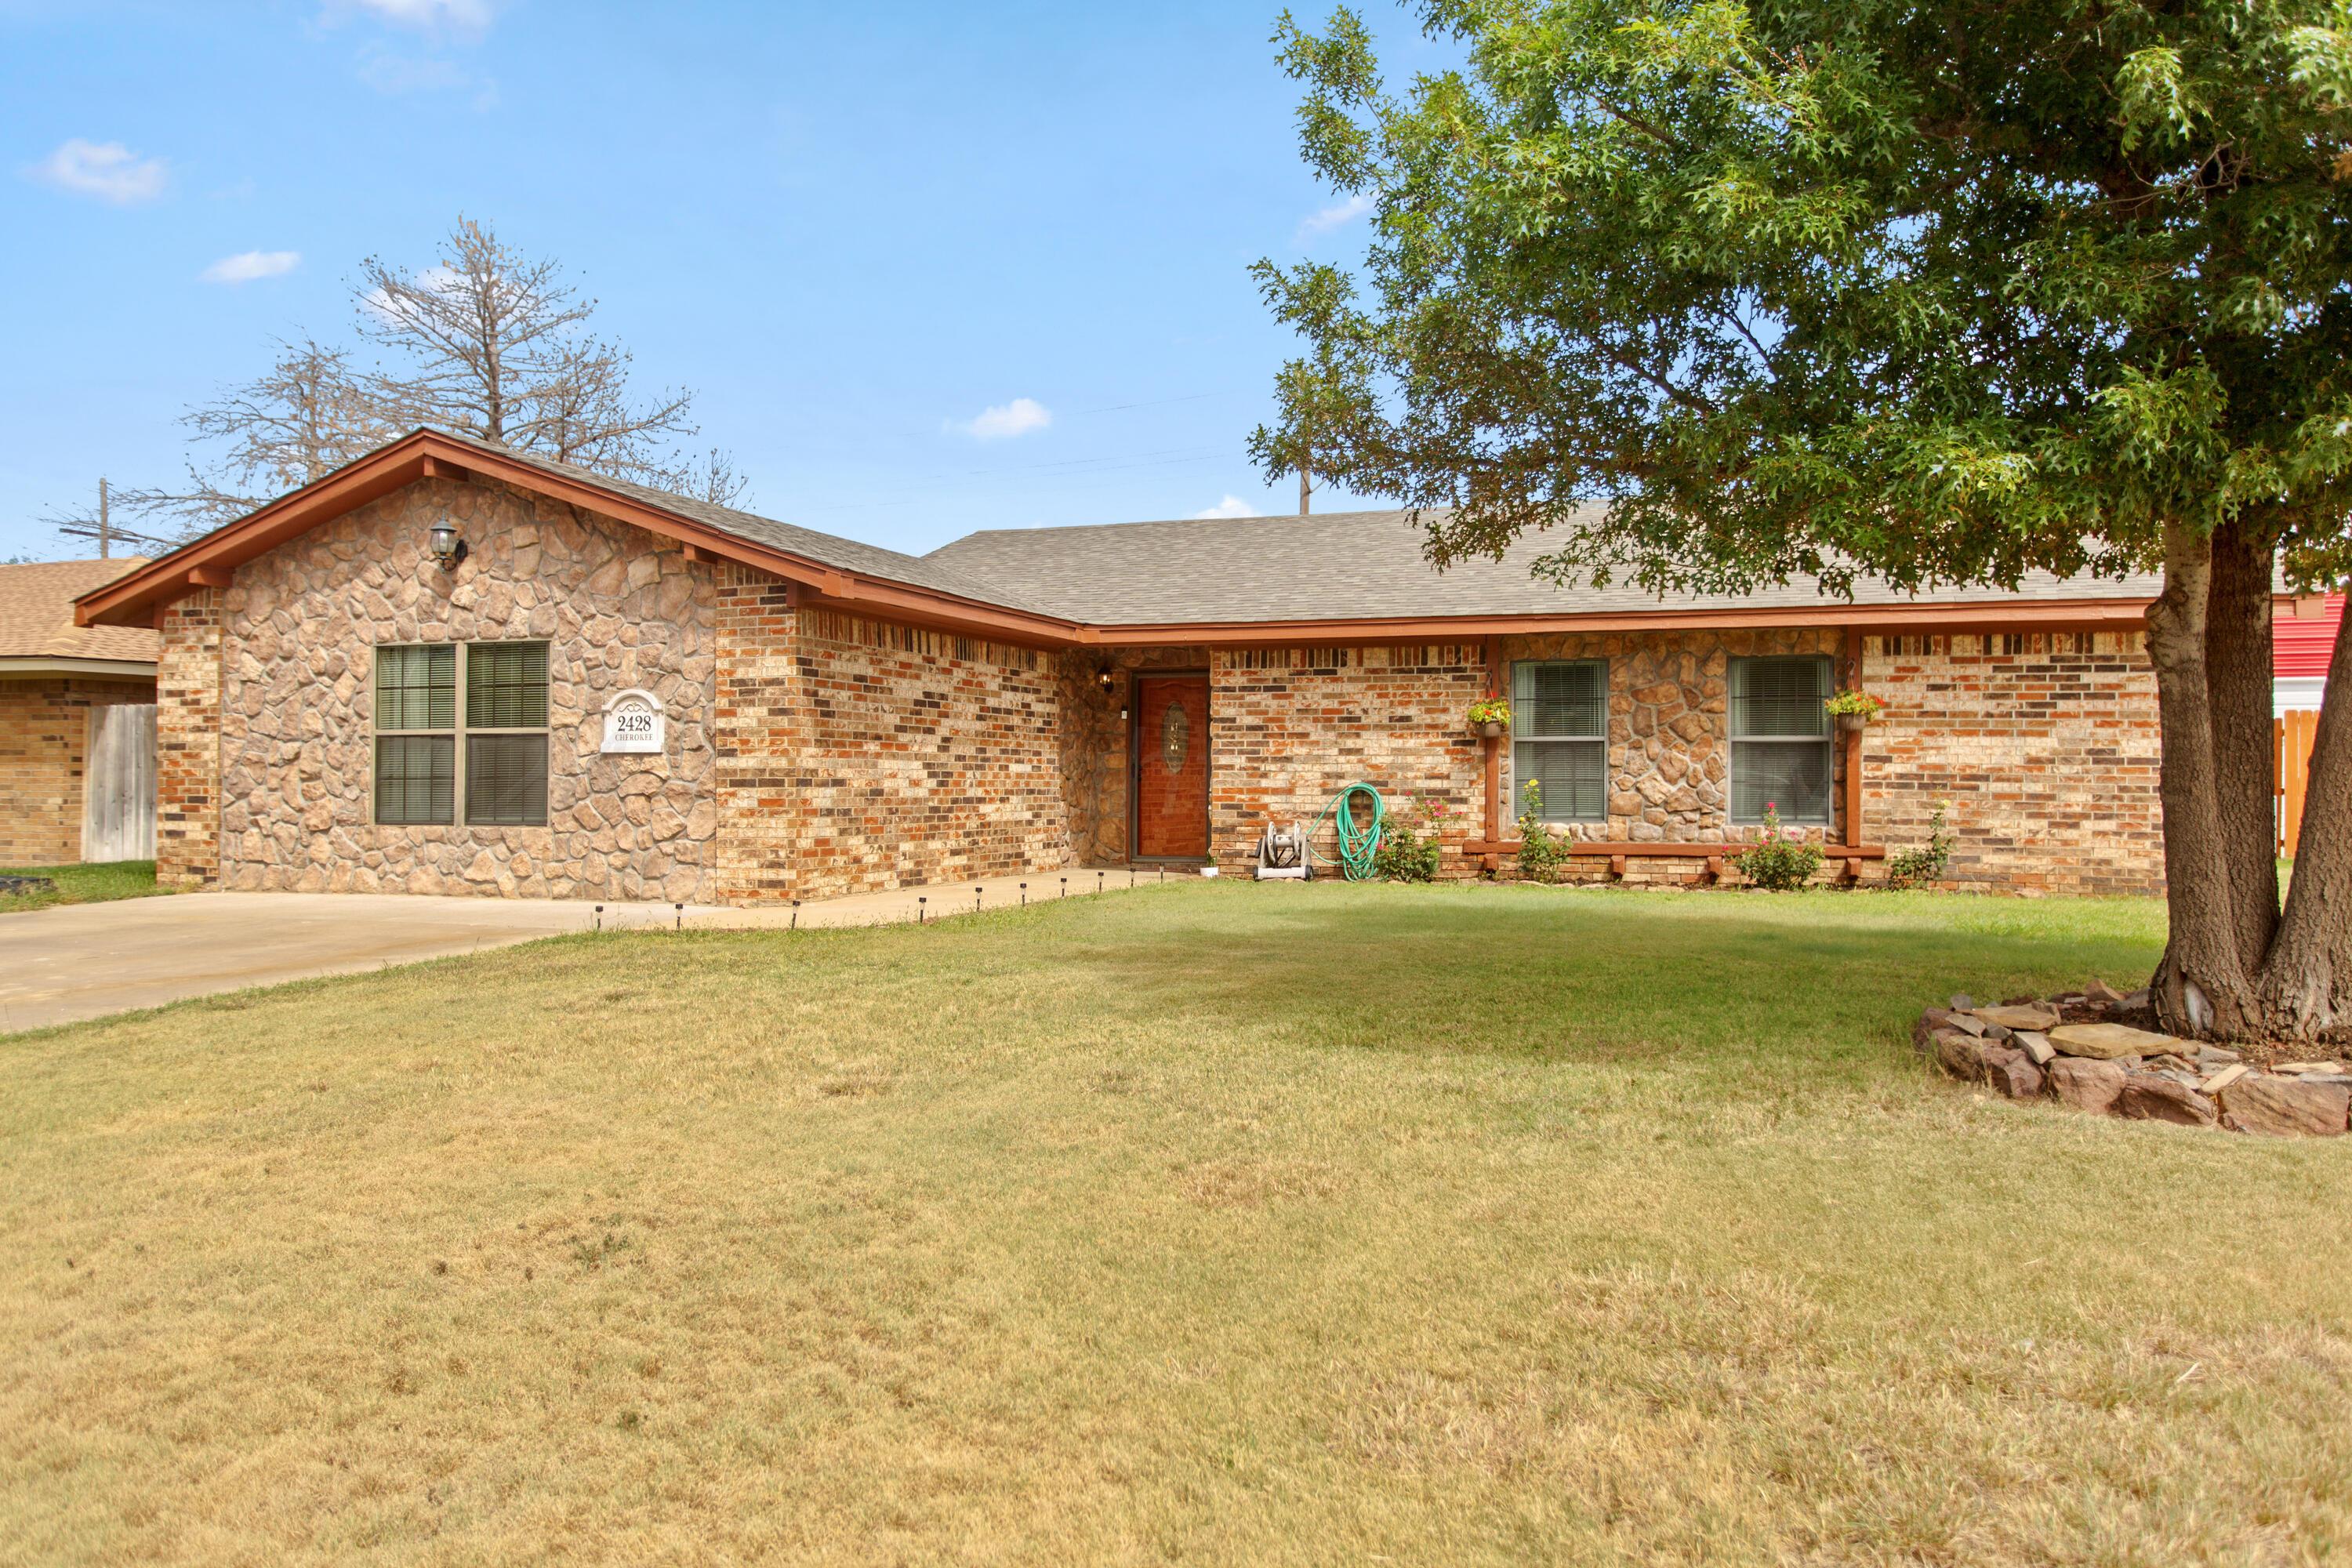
x,y
1853,709
1490,718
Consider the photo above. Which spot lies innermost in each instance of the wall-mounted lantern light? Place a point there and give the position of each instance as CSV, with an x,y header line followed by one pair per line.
x,y
1105,679
447,548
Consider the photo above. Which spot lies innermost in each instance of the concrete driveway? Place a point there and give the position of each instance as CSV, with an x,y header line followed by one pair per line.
x,y
78,961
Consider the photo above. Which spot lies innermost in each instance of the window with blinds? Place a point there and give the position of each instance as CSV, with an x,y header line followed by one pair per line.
x,y
484,760
1781,751
1560,736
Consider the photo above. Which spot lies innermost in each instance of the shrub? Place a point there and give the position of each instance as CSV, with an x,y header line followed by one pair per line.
x,y
1925,865
1542,854
1404,854
1777,862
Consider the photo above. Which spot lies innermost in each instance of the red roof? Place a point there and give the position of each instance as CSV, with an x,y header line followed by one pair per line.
x,y
2302,646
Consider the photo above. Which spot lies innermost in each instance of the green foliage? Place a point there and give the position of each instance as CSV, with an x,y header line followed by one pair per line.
x,y
1924,866
89,883
1490,710
1777,862
1856,701
1718,294
1543,854
1409,843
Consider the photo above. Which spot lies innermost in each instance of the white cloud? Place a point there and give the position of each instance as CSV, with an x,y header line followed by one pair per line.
x,y
426,15
106,170
1337,215
395,75
1017,417
251,266
1231,506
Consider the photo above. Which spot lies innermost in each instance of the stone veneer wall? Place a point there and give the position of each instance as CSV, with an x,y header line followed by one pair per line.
x,y
1290,727
859,755
2045,743
44,757
1669,741
188,742
618,607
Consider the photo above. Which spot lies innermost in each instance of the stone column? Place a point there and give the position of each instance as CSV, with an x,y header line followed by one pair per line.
x,y
188,742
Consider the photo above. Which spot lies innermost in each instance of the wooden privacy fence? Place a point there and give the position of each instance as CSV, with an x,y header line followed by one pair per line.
x,y
2291,735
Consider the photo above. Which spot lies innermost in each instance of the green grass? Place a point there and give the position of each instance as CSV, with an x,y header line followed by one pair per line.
x,y
88,884
1204,1224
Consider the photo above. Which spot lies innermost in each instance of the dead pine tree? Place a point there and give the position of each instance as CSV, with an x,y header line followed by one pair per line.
x,y
493,343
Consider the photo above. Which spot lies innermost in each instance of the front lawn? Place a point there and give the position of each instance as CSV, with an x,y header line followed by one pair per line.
x,y
94,883
1208,1223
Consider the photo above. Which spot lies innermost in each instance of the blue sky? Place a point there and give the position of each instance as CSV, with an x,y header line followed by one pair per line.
x,y
852,230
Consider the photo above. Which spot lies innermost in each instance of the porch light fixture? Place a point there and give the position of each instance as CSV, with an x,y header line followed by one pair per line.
x,y
1105,679
447,548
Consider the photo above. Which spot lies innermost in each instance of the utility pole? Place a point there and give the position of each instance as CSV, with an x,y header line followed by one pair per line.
x,y
102,531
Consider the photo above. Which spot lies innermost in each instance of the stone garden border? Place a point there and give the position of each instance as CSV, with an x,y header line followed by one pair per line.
x,y
2089,1051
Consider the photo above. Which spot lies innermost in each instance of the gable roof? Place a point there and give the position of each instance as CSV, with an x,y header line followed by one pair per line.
x,y
1338,576
1352,565
36,616
844,572
827,549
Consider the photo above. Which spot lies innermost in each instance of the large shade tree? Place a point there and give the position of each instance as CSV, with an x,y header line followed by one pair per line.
x,y
1940,290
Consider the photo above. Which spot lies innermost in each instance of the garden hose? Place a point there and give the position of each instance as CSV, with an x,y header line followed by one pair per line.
x,y
1358,845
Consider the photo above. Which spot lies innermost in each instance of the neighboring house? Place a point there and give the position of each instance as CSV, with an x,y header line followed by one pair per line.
x,y
593,688
2302,644
77,721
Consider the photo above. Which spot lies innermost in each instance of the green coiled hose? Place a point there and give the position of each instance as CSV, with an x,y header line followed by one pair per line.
x,y
1358,845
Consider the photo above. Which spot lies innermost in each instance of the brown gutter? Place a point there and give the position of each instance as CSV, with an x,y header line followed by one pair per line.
x,y
2039,614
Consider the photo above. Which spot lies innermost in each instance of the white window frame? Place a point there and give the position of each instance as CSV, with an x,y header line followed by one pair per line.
x,y
1523,713
1733,740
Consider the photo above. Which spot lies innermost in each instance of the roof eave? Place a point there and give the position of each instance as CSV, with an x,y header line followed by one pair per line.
x,y
67,664
2007,615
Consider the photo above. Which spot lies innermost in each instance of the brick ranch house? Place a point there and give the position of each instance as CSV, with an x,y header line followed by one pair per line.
x,y
76,774
599,689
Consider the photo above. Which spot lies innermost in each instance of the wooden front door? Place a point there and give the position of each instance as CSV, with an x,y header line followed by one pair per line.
x,y
1170,747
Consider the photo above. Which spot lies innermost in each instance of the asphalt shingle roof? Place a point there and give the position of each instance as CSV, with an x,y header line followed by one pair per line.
x,y
1351,565
825,549
36,613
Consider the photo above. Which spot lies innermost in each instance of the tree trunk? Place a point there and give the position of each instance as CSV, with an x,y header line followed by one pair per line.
x,y
2306,986
2237,670
2202,985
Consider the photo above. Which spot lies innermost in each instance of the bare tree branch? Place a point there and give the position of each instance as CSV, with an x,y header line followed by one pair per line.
x,y
486,341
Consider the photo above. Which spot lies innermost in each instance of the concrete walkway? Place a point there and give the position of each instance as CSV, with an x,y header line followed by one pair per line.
x,y
82,961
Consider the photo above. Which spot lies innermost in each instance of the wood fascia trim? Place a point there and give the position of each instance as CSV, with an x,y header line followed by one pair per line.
x,y
2047,615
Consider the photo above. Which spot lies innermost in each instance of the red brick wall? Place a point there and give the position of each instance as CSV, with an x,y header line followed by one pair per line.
x,y
44,751
1290,727
188,742
2045,743
859,755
